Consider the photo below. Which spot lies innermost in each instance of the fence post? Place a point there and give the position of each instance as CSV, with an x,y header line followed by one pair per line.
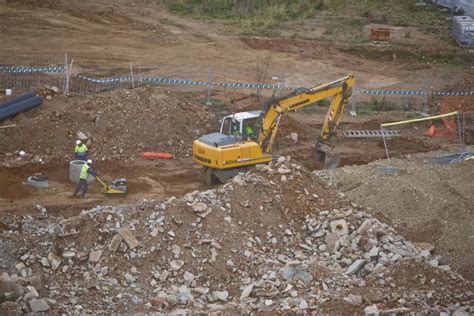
x,y
65,87
69,71
353,112
385,144
426,100
209,88
131,74
139,76
461,140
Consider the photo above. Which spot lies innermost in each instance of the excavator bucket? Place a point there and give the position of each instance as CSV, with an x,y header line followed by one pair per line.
x,y
325,158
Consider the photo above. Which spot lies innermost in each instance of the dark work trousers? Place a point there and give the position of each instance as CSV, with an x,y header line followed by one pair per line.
x,y
82,156
82,184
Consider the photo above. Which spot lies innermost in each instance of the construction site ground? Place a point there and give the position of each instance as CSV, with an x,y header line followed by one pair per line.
x,y
230,238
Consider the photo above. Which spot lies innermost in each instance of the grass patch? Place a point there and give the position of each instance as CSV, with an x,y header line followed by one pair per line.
x,y
215,102
344,18
251,17
381,105
340,21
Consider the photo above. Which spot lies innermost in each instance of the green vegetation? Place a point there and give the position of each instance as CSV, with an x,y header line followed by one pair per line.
x,y
383,105
337,16
343,22
250,16
214,102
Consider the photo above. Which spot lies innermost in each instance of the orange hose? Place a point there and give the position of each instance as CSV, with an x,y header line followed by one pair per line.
x,y
157,155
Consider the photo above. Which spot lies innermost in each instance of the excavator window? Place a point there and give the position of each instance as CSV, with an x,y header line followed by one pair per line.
x,y
226,126
231,127
235,128
249,126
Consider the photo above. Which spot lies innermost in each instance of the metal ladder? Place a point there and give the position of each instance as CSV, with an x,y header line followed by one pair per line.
x,y
370,133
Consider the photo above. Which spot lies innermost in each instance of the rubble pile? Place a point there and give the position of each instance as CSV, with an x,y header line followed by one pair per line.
x,y
274,239
119,125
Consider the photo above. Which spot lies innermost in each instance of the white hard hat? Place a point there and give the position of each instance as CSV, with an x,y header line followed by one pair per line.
x,y
78,142
89,161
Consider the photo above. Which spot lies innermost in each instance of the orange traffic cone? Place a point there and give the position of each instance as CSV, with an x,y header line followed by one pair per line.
x,y
431,131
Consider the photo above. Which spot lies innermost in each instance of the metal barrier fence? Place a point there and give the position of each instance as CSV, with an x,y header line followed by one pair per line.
x,y
96,80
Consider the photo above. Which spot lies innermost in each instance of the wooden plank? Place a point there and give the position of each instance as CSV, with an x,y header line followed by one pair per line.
x,y
7,126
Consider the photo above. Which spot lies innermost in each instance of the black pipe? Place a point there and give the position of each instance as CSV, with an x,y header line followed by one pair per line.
x,y
21,98
20,107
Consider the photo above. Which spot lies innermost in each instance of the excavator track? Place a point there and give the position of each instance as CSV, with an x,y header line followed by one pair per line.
x,y
215,176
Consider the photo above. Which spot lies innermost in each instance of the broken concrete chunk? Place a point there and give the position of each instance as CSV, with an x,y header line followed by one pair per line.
x,y
294,136
38,305
45,262
54,260
339,226
128,237
374,252
401,251
188,276
284,170
331,242
364,227
238,180
68,254
303,305
204,214
199,207
353,299
95,256
424,246
246,291
295,273
176,250
355,267
115,242
20,265
176,265
371,310
220,295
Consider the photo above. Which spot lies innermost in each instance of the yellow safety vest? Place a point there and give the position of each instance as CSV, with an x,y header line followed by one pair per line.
x,y
80,149
84,172
249,130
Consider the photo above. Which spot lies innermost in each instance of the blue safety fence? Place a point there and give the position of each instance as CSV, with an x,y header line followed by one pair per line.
x,y
27,69
164,80
416,92
242,85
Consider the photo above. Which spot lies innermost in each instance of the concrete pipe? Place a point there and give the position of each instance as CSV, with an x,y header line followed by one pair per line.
x,y
75,167
40,182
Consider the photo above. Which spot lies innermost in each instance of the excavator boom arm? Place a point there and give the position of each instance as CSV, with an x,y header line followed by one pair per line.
x,y
269,120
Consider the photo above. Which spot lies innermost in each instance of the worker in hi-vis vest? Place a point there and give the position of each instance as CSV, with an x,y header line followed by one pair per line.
x,y
80,150
86,170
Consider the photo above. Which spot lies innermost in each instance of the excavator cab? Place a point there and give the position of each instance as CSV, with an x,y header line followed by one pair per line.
x,y
240,124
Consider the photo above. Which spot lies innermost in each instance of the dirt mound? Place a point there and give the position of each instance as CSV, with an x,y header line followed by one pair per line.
x,y
119,125
426,202
272,240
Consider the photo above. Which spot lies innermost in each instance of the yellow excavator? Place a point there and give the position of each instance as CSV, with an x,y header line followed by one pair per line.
x,y
246,138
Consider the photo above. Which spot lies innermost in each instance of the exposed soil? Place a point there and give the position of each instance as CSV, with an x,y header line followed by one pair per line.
x,y
426,202
146,179
119,125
